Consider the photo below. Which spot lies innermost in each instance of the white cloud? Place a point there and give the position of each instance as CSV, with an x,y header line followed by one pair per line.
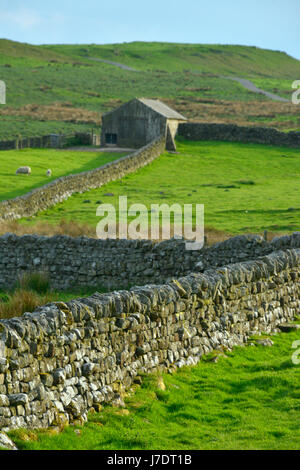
x,y
23,18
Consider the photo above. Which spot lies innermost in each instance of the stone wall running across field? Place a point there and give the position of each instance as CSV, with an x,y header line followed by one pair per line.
x,y
51,141
116,264
198,131
62,188
64,359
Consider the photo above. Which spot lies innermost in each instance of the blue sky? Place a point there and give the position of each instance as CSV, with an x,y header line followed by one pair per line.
x,y
271,24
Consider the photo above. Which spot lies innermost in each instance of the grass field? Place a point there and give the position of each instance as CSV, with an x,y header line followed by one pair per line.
x,y
61,162
247,400
244,187
59,88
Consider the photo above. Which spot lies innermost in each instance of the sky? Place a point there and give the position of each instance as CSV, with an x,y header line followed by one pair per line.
x,y
270,24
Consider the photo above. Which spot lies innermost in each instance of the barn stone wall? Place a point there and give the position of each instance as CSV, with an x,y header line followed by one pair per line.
x,y
134,123
198,131
64,359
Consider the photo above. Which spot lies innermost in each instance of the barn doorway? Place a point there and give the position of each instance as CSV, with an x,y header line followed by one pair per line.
x,y
111,139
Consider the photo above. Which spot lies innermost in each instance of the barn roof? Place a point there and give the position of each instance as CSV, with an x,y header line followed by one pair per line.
x,y
156,106
162,109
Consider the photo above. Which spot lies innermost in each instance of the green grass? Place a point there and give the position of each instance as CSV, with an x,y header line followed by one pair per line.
x,y
247,400
206,58
21,51
61,162
244,187
280,86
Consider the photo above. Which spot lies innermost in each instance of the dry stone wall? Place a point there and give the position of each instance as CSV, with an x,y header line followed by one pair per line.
x,y
234,133
51,141
64,359
113,264
62,188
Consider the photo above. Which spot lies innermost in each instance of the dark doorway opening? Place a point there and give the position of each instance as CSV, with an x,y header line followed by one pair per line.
x,y
111,139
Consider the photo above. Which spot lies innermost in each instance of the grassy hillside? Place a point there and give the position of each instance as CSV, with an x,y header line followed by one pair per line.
x,y
18,50
59,88
244,187
212,59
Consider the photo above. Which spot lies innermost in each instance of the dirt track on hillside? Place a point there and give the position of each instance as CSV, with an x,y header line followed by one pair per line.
x,y
117,64
244,82
250,86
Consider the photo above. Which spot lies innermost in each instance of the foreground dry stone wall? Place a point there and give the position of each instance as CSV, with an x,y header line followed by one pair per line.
x,y
62,188
64,359
234,133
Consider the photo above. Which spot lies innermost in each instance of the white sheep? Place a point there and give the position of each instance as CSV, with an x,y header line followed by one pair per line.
x,y
26,170
48,172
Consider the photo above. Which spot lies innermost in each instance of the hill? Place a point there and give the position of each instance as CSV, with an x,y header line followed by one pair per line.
x,y
244,61
60,88
13,49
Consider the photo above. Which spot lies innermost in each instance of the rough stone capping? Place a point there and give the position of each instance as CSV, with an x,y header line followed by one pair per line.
x,y
234,133
64,359
62,188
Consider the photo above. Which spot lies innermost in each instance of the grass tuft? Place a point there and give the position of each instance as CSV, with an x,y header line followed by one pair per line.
x,y
37,282
21,301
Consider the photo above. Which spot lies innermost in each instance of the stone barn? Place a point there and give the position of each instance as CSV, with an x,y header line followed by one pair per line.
x,y
138,122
